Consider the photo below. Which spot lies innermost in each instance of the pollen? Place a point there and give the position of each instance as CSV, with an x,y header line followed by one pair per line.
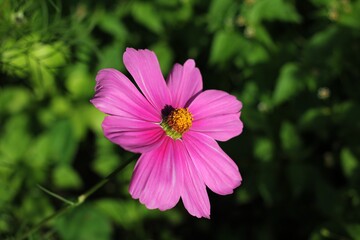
x,y
177,122
180,120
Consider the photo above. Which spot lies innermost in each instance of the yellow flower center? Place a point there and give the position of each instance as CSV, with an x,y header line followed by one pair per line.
x,y
178,121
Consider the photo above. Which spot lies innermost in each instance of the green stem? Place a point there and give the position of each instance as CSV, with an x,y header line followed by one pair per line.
x,y
85,195
56,195
80,198
35,228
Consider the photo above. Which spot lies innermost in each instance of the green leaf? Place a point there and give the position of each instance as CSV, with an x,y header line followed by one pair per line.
x,y
111,55
14,99
300,177
290,139
249,94
264,149
350,17
164,55
38,155
4,219
125,213
40,61
288,83
44,61
219,11
328,200
113,26
16,139
267,183
253,119
79,82
262,34
176,15
63,143
34,208
84,222
254,53
321,3
11,181
349,162
65,176
79,120
146,14
50,55
243,196
311,118
273,10
14,60
226,44
105,163
93,118
353,230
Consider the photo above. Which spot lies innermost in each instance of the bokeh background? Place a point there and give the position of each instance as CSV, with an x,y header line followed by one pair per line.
x,y
295,65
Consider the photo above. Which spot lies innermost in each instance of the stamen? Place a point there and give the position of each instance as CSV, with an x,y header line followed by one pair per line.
x,y
177,122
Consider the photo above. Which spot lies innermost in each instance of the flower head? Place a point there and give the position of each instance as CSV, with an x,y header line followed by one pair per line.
x,y
174,124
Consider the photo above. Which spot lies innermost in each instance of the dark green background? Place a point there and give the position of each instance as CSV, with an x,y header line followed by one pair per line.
x,y
294,64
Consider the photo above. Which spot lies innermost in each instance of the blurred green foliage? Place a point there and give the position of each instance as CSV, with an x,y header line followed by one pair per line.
x,y
293,64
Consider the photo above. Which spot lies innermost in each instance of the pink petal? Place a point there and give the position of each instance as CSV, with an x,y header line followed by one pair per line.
x,y
221,128
133,134
213,103
145,69
217,169
217,114
184,82
193,192
116,95
156,181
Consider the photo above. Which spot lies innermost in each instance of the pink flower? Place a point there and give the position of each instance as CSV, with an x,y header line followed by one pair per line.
x,y
174,125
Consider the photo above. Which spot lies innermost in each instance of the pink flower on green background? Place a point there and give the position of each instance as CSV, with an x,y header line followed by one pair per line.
x,y
174,124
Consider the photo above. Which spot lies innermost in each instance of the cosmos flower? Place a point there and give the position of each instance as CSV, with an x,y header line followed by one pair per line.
x,y
174,124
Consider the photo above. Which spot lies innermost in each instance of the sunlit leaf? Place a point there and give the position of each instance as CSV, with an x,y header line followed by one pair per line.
x,y
290,139
84,222
111,56
273,10
219,12
79,82
14,99
349,16
16,139
225,45
288,84
65,176
112,25
353,230
146,14
63,142
125,213
264,149
348,162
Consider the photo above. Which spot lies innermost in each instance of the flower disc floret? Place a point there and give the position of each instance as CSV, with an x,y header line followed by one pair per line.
x,y
177,122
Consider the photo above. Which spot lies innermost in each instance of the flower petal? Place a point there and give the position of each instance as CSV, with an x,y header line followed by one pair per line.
x,y
156,182
217,114
132,134
193,192
221,128
145,69
218,170
184,82
116,95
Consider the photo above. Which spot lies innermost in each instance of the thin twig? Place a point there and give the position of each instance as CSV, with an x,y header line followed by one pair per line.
x,y
80,199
